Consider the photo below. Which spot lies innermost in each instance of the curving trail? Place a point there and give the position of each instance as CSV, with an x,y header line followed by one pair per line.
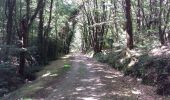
x,y
91,80
88,79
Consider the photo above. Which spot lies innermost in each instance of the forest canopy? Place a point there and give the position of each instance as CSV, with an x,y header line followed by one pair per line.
x,y
122,33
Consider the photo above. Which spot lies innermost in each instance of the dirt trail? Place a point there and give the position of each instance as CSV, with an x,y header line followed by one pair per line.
x,y
90,80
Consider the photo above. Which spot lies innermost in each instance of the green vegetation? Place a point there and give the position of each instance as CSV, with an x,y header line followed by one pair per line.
x,y
44,77
122,33
153,70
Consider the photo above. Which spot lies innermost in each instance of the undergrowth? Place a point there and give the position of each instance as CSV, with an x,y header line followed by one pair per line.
x,y
152,70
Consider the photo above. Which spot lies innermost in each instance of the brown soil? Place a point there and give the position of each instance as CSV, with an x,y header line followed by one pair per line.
x,y
90,80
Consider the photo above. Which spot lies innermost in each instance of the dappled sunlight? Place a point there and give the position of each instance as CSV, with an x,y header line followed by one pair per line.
x,y
80,88
66,57
136,92
95,88
90,80
46,74
49,88
92,71
108,72
119,74
49,74
98,68
99,65
54,75
54,90
75,93
38,88
90,64
120,93
77,61
87,98
91,87
97,79
111,76
113,81
100,84
112,49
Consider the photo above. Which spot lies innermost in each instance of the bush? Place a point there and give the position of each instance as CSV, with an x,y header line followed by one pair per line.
x,y
116,59
152,69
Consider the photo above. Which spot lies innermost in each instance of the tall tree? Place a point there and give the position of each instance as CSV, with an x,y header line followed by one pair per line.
x,y
10,7
41,35
161,33
129,29
139,15
96,15
46,33
25,25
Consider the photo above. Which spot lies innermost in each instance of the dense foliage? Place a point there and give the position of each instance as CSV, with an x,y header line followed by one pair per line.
x,y
34,32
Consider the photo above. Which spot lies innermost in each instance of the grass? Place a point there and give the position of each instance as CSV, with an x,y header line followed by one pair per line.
x,y
44,78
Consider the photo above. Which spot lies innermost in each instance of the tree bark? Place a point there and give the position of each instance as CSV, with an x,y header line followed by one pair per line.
x,y
46,34
161,33
129,29
139,16
40,35
10,7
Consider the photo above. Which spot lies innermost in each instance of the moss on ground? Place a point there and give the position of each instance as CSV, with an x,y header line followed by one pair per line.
x,y
44,77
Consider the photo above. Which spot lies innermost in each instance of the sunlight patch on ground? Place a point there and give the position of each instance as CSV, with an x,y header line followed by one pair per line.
x,y
119,74
93,71
44,77
99,68
91,87
54,90
90,54
95,79
46,74
49,74
89,64
99,65
49,88
120,93
111,76
87,98
113,81
100,84
136,91
80,88
77,61
65,57
74,93
38,88
88,80
54,75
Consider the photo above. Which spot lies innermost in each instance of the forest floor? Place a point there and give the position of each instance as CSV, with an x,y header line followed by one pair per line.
x,y
88,79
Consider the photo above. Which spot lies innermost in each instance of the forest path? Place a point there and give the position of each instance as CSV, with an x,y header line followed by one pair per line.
x,y
91,80
86,79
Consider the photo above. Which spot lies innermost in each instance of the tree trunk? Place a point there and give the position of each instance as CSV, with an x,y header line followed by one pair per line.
x,y
129,25
25,24
40,36
139,16
10,7
161,33
46,34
